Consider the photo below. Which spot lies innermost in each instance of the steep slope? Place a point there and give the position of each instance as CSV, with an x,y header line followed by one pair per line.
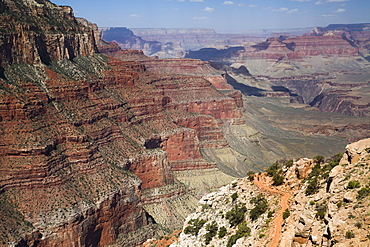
x,y
172,42
327,69
304,203
40,31
126,39
91,146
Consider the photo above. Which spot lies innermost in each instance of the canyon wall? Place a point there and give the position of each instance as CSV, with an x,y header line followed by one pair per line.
x,y
41,32
326,68
92,146
172,42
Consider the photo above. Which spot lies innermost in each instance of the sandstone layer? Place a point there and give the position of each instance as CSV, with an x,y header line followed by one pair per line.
x,y
37,32
327,68
92,146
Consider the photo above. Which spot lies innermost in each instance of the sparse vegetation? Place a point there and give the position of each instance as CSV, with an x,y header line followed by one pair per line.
x,y
362,193
289,163
261,206
222,232
278,179
194,226
273,169
243,231
353,184
236,214
211,229
351,216
319,159
250,175
270,214
205,207
358,224
319,172
286,214
321,210
312,187
234,196
349,234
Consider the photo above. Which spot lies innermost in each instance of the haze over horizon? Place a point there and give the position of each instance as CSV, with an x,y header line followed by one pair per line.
x,y
223,16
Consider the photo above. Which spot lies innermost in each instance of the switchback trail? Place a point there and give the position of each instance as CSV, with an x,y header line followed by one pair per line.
x,y
260,181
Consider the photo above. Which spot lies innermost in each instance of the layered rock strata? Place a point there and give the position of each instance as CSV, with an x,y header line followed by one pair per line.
x,y
36,32
91,145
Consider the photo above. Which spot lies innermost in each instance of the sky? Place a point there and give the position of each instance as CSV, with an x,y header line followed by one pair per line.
x,y
223,16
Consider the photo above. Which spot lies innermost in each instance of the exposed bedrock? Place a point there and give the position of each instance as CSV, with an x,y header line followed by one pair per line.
x,y
34,32
92,146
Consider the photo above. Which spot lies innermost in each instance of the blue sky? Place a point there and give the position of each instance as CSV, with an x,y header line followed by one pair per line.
x,y
233,16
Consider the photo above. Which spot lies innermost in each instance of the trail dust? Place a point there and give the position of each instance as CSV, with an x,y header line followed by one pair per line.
x,y
260,181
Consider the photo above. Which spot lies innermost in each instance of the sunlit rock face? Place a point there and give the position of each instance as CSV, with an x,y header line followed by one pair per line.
x,y
92,146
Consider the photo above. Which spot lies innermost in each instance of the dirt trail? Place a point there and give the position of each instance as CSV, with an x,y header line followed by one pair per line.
x,y
278,221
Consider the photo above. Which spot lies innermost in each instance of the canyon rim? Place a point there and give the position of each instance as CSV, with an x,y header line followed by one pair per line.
x,y
102,145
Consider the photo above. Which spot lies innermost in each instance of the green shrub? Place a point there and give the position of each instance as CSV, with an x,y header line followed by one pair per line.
x,y
277,179
363,192
316,171
211,229
333,163
205,207
243,231
232,240
289,163
349,235
234,196
236,214
261,206
194,226
313,186
321,210
319,159
272,170
286,214
250,176
358,224
222,232
353,184
270,214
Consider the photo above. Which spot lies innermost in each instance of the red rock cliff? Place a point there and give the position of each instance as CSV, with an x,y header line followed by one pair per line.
x,y
34,32
83,134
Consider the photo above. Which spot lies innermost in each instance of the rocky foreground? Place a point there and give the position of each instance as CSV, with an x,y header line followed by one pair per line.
x,y
327,206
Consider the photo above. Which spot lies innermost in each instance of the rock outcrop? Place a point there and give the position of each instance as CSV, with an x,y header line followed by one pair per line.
x,y
34,32
326,69
327,206
126,39
172,42
91,146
